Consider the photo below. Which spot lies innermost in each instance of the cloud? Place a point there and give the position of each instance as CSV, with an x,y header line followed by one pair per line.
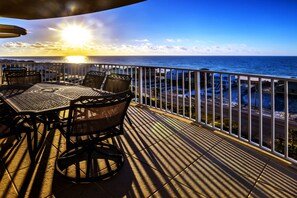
x,y
15,45
174,40
38,45
142,40
130,48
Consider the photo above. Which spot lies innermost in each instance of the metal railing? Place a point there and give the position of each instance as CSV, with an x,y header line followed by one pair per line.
x,y
260,110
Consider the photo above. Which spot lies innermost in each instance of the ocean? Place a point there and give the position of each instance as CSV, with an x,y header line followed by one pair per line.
x,y
285,66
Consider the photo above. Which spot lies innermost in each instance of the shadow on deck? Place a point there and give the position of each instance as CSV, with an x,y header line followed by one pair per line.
x,y
166,157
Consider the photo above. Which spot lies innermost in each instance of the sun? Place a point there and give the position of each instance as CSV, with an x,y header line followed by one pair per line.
x,y
76,35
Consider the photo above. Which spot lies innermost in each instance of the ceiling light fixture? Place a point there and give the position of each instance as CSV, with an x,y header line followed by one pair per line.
x,y
10,31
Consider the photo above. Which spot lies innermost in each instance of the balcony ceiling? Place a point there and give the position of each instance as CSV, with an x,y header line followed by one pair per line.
x,y
40,9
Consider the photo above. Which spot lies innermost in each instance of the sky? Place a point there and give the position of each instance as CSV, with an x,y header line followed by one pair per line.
x,y
164,27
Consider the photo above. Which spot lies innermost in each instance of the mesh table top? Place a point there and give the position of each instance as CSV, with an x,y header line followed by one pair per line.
x,y
44,97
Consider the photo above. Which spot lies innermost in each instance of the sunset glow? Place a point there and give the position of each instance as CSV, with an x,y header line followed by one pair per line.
x,y
76,35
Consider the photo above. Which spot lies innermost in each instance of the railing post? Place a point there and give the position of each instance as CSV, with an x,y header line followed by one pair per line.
x,y
140,85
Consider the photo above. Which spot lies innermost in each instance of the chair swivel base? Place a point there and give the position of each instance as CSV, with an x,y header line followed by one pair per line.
x,y
90,163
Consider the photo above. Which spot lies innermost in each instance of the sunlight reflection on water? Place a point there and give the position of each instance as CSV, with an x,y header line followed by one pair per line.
x,y
76,59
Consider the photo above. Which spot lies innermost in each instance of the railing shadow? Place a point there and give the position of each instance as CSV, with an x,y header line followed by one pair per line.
x,y
163,158
233,163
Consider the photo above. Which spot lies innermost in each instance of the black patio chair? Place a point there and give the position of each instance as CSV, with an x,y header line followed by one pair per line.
x,y
29,77
94,79
12,125
11,70
91,122
118,83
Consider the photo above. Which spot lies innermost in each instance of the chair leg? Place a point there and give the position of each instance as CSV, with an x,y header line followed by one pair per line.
x,y
129,120
91,163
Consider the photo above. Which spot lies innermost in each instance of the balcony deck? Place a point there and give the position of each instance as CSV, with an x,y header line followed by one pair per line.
x,y
166,157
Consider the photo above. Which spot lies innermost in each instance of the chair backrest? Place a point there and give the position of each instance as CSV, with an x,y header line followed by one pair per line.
x,y
11,70
94,79
29,77
95,114
117,83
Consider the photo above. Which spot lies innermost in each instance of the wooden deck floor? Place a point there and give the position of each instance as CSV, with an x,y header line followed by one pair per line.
x,y
165,157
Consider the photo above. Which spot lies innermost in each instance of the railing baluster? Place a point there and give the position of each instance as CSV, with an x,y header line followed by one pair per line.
x,y
197,97
161,95
177,102
1,75
260,114
166,103
64,69
150,76
156,95
213,100
183,91
230,103
140,85
171,91
71,72
249,111
145,90
286,129
190,95
272,116
221,102
205,97
239,106
136,83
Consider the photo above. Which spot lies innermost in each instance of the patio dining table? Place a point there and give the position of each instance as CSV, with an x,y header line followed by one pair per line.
x,y
42,99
